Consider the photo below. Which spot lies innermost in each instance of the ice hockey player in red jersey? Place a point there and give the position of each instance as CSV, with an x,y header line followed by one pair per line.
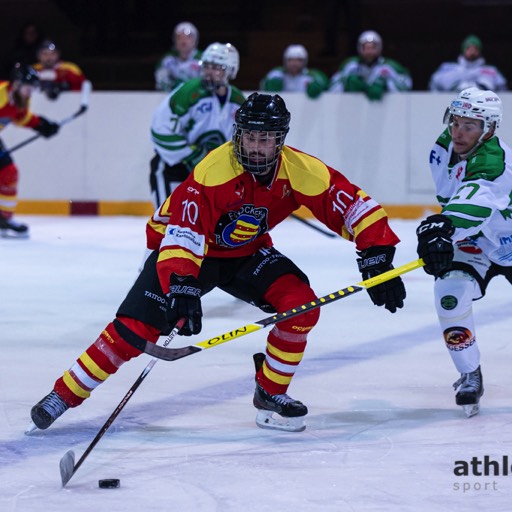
x,y
15,107
213,231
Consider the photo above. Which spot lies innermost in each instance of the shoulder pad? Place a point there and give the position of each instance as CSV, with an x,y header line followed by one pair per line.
x,y
188,95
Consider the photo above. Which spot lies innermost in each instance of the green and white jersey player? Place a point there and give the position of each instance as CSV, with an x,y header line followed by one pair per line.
x,y
193,119
472,171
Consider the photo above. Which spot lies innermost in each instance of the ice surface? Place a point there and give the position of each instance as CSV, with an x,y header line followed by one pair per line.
x,y
383,432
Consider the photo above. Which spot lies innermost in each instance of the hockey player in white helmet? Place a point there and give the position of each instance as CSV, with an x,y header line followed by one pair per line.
x,y
193,119
181,63
470,241
294,75
369,72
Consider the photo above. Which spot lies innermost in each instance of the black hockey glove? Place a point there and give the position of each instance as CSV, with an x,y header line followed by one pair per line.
x,y
435,245
53,89
374,261
47,128
185,302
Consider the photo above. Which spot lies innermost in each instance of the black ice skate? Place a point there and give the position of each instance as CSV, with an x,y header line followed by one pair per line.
x,y
45,412
470,387
291,412
12,229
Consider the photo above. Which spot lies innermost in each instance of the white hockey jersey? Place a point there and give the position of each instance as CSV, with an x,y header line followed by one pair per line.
x,y
477,194
191,121
457,76
172,71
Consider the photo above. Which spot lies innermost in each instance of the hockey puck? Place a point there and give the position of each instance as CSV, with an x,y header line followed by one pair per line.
x,y
109,483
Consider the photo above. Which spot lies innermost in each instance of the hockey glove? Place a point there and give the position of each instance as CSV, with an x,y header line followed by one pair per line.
x,y
354,83
314,89
53,89
435,245
374,261
185,302
376,90
47,128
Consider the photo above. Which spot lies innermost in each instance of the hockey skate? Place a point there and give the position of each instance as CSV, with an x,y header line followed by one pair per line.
x,y
12,229
470,387
291,412
45,412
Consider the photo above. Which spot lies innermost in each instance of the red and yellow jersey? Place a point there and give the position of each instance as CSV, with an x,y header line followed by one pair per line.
x,y
222,211
10,113
62,72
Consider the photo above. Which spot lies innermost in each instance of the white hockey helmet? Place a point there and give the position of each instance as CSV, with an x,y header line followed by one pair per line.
x,y
187,28
369,36
475,103
296,51
225,55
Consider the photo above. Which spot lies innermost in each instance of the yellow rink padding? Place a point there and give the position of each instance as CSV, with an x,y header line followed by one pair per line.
x,y
145,208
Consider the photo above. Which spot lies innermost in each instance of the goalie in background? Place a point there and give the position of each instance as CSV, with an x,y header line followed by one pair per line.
x,y
469,242
213,231
15,108
194,119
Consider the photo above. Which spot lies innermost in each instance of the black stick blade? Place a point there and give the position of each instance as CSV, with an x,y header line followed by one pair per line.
x,y
67,467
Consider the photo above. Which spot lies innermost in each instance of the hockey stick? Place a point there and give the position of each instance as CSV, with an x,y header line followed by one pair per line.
x,y
67,464
171,354
84,105
311,225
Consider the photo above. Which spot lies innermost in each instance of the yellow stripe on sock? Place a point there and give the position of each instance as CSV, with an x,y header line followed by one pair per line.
x,y
93,367
74,387
289,357
275,377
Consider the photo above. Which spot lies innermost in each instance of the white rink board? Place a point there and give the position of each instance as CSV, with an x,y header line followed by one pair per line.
x,y
104,154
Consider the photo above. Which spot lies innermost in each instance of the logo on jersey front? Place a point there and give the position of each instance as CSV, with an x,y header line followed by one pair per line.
x,y
237,228
434,157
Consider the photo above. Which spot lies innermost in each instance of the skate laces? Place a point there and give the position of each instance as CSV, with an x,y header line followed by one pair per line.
x,y
283,399
469,381
54,405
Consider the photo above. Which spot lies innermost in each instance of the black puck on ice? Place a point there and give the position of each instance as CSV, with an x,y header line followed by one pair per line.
x,y
109,483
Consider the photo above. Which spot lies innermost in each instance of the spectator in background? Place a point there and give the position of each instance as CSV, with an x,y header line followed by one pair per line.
x,y
294,75
194,119
25,47
470,70
182,62
370,72
55,74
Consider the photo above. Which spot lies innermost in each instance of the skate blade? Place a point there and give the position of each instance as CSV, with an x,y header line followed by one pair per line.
x,y
4,233
266,420
471,409
31,428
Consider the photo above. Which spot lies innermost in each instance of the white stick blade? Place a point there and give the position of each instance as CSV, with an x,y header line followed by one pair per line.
x,y
67,467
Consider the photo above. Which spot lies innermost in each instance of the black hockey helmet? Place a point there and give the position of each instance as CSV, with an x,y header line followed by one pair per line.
x,y
261,113
24,74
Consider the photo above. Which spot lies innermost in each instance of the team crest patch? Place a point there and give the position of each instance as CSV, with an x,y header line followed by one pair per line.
x,y
449,302
240,227
458,338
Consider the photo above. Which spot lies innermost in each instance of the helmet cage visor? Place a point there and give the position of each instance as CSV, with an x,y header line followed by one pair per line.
x,y
256,150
